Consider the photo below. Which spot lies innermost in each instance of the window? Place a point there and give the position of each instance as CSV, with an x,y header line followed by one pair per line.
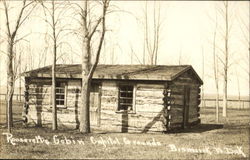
x,y
125,98
60,94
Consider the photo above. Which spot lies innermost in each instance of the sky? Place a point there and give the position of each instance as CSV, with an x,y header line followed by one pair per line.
x,y
186,35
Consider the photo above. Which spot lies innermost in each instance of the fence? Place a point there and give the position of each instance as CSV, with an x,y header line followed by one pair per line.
x,y
231,103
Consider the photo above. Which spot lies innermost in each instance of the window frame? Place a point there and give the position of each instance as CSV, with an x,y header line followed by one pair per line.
x,y
62,106
133,111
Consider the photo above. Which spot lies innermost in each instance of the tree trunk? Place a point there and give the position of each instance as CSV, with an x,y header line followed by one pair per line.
x,y
54,107
217,102
226,63
10,84
85,92
85,119
224,113
20,83
53,92
216,78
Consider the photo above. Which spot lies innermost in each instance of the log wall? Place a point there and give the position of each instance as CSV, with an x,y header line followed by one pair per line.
x,y
177,100
40,109
147,110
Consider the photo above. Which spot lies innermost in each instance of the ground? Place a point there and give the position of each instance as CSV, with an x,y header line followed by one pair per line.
x,y
227,140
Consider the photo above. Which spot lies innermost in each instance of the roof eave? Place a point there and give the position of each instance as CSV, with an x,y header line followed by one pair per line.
x,y
186,69
110,77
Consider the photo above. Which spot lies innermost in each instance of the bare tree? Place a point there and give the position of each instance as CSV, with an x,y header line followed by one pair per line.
x,y
226,37
224,57
133,54
215,69
243,21
11,42
238,85
55,12
89,27
152,34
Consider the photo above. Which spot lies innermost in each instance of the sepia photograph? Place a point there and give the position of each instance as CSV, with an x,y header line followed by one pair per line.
x,y
117,79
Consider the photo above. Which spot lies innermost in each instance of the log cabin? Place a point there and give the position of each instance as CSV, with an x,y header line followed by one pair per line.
x,y
123,98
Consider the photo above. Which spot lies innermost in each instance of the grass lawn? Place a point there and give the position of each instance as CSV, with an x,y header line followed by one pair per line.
x,y
227,140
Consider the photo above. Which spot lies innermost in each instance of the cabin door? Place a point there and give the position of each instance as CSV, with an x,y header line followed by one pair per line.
x,y
186,106
95,105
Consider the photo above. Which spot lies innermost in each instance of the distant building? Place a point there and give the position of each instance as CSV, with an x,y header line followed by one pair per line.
x,y
123,98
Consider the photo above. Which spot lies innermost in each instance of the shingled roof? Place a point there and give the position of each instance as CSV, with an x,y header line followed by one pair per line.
x,y
133,72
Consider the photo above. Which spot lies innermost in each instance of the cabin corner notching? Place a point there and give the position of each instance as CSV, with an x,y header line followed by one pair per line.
x,y
123,98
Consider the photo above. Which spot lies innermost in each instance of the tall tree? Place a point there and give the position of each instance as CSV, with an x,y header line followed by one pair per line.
x,y
226,57
152,33
55,12
89,27
243,21
11,42
215,69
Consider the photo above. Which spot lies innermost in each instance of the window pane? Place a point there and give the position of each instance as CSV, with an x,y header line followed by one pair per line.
x,y
60,93
126,97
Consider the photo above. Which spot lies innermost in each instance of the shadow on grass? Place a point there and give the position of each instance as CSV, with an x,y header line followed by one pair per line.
x,y
194,129
199,128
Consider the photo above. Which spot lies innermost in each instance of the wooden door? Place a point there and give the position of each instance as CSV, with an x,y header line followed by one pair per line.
x,y
95,105
186,106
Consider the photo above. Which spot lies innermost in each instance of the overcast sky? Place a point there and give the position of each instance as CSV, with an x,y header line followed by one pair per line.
x,y
187,31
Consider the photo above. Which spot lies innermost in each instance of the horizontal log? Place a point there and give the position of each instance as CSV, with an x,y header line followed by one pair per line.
x,y
40,98
39,81
180,89
187,81
195,122
148,101
39,103
176,125
74,83
149,86
193,116
109,99
39,85
193,108
176,116
178,102
39,94
193,102
73,105
187,84
39,91
149,108
107,106
177,97
185,78
74,91
114,87
109,93
149,94
193,119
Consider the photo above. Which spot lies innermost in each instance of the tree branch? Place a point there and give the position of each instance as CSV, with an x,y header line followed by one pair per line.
x,y
93,67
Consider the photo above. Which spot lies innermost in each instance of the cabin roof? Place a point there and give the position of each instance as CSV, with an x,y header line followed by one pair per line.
x,y
129,72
